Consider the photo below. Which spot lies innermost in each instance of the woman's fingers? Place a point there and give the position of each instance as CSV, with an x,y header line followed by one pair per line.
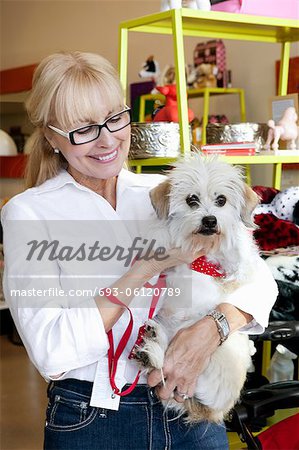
x,y
183,392
170,387
155,377
165,391
186,357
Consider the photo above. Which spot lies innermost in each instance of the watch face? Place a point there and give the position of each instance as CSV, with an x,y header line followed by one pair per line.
x,y
222,324
225,327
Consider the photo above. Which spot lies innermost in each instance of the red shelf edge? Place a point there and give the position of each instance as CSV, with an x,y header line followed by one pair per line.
x,y
13,166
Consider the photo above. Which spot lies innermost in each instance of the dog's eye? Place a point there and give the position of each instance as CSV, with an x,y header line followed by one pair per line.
x,y
220,200
192,200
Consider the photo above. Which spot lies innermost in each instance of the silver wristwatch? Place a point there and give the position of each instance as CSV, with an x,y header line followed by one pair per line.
x,y
221,323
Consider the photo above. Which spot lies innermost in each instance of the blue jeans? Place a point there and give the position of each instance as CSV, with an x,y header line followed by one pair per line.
x,y
140,424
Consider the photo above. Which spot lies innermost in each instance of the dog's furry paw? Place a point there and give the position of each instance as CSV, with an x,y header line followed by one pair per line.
x,y
150,331
150,351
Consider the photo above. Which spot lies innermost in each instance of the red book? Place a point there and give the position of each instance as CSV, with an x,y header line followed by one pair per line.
x,y
231,148
230,152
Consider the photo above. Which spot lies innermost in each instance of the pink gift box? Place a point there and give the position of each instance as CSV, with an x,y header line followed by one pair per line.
x,y
285,9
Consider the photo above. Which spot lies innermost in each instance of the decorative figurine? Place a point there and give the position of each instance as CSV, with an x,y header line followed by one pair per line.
x,y
202,76
150,69
286,130
169,112
167,76
204,5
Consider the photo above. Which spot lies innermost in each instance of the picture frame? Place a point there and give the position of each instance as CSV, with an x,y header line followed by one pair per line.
x,y
280,103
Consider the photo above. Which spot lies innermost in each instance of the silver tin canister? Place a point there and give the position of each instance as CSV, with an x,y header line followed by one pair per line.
x,y
237,132
155,139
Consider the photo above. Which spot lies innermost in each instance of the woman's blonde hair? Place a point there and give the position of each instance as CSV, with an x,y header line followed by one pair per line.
x,y
67,89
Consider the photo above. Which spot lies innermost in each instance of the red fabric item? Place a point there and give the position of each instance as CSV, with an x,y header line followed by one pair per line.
x,y
169,113
204,266
275,233
281,436
266,194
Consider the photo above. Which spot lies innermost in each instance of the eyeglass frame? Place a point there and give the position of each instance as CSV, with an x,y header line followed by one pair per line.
x,y
69,134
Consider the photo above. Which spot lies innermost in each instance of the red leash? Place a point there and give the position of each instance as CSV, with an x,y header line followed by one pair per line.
x,y
113,356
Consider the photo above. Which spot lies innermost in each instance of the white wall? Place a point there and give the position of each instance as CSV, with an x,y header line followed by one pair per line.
x,y
31,30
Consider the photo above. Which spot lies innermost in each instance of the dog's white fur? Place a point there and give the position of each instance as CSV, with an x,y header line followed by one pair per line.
x,y
286,129
232,246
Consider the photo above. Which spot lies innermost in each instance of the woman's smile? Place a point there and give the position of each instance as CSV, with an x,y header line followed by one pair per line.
x,y
105,157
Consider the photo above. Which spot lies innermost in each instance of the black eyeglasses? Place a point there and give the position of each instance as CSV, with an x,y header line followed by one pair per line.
x,y
89,133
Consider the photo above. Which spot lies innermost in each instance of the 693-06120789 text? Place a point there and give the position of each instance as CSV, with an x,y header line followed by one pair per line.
x,y
143,291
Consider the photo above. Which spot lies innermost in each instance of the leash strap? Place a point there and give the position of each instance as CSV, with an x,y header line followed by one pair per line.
x,y
113,356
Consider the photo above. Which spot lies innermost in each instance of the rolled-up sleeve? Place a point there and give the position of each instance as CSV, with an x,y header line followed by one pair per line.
x,y
256,297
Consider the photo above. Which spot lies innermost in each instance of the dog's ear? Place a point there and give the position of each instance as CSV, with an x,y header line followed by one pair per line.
x,y
160,199
251,200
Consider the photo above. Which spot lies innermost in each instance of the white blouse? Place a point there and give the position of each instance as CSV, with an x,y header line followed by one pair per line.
x,y
62,243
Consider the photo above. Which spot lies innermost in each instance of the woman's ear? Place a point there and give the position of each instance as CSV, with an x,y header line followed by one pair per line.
x,y
49,137
251,200
160,199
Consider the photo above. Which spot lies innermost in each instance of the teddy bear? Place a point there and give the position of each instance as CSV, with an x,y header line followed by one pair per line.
x,y
204,76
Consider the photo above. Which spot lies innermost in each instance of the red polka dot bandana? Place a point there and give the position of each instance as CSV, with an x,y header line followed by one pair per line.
x,y
202,265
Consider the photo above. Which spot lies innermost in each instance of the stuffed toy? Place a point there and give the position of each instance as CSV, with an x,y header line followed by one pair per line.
x,y
282,205
167,76
205,76
277,219
150,69
169,112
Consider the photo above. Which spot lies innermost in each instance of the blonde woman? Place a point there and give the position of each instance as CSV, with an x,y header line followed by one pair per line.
x,y
72,234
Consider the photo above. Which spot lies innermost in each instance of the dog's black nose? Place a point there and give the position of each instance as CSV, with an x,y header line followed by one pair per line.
x,y
209,221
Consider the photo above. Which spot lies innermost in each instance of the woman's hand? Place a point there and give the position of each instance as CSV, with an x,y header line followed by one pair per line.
x,y
138,274
187,356
174,257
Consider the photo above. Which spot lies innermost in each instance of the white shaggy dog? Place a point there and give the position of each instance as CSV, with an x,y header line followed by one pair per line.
x,y
204,204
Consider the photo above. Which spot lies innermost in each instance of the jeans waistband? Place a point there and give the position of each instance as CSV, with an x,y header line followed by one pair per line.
x,y
142,392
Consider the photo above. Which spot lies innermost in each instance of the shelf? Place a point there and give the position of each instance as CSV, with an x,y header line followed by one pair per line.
x,y
195,93
211,24
264,157
13,166
219,24
18,79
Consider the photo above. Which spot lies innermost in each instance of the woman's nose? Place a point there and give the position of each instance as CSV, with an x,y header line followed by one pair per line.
x,y
105,139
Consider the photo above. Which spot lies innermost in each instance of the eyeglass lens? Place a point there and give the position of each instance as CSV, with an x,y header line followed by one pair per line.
x,y
92,132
